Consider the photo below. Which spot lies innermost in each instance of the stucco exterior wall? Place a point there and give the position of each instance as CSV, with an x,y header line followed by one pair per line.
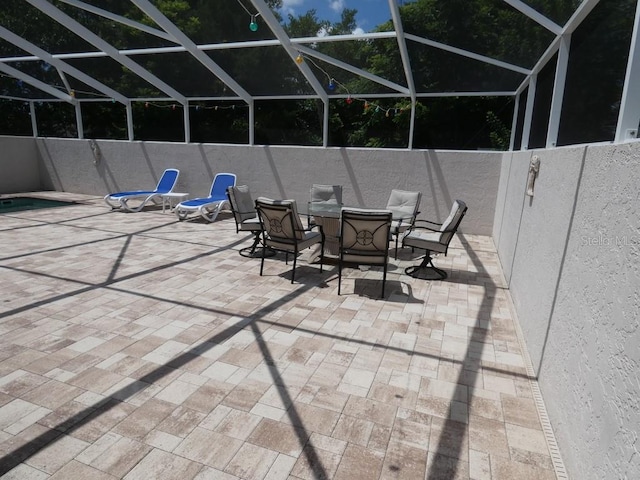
x,y
19,164
367,175
572,255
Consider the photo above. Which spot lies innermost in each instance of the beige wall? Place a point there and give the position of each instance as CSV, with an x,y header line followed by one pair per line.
x,y
367,175
19,164
571,255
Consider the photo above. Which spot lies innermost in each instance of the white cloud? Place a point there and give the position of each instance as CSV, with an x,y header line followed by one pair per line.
x,y
358,31
291,3
337,5
289,6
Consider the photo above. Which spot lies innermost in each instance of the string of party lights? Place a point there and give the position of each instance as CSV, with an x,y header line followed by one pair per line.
x,y
173,106
253,25
333,83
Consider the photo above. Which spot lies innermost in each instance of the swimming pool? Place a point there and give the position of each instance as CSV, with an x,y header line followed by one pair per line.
x,y
18,204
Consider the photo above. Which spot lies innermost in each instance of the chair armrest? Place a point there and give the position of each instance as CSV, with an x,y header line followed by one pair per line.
x,y
404,221
247,212
426,225
311,227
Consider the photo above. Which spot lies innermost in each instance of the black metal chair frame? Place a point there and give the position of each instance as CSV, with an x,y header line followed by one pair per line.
x,y
364,238
288,243
427,261
254,227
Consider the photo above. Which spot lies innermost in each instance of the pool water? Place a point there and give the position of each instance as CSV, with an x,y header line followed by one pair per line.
x,y
18,204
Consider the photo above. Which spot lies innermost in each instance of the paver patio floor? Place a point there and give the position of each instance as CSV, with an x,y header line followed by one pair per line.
x,y
135,346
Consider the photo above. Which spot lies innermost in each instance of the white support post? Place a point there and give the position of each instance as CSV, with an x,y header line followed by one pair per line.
x,y
629,115
129,121
412,123
252,122
325,123
514,122
34,120
406,64
79,125
187,123
558,91
528,114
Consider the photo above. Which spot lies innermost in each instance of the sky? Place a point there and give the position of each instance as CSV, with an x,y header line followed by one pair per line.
x,y
370,12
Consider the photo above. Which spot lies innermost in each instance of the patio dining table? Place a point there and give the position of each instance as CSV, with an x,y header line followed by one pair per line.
x,y
328,217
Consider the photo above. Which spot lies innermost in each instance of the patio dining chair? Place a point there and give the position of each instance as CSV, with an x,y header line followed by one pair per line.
x,y
364,239
404,205
246,217
165,185
434,238
282,231
208,207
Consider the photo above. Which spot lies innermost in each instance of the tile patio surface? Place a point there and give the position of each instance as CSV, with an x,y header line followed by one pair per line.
x,y
135,346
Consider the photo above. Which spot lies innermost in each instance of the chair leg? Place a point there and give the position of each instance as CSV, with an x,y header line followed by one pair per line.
x,y
396,253
293,272
295,259
384,279
181,214
262,261
252,248
426,264
251,252
339,274
210,216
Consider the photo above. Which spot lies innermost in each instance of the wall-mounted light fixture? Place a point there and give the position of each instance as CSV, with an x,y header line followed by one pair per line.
x,y
534,168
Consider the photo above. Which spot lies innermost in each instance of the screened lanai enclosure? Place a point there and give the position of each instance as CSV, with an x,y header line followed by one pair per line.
x,y
523,360
446,74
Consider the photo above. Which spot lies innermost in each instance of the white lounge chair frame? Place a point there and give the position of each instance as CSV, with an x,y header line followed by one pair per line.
x,y
166,184
209,207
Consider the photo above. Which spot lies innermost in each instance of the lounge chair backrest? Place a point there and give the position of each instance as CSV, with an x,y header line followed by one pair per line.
x,y
280,219
168,180
404,204
327,194
450,225
221,182
241,202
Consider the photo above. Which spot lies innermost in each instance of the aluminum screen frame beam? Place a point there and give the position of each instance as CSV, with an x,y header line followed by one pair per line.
x,y
629,115
79,29
535,16
169,27
119,19
268,16
350,68
61,65
468,54
574,22
34,82
558,91
406,65
295,42
190,46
